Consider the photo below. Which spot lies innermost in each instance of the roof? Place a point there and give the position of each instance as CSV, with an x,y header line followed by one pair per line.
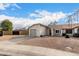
x,y
66,26
59,26
38,24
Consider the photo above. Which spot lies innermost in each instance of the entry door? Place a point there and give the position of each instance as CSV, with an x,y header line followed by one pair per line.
x,y
33,32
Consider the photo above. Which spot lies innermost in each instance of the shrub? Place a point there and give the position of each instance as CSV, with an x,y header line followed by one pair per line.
x,y
41,35
63,34
66,36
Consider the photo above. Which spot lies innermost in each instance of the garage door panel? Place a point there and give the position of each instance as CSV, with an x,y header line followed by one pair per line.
x,y
33,32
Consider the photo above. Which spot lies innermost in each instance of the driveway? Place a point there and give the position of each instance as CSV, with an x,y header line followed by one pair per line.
x,y
10,40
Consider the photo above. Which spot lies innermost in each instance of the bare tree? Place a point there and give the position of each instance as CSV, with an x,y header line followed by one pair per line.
x,y
52,23
76,15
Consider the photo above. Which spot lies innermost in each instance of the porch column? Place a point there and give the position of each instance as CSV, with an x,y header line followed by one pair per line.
x,y
29,32
61,31
75,30
52,32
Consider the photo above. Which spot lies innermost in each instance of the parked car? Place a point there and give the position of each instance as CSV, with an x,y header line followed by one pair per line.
x,y
67,36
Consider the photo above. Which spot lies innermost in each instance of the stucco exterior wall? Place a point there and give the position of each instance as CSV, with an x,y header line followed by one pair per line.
x,y
52,32
40,30
75,30
61,31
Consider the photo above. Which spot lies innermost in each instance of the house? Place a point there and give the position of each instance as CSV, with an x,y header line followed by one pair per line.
x,y
38,30
59,30
56,30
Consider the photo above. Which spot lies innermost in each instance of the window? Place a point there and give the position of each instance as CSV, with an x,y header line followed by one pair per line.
x,y
57,31
69,31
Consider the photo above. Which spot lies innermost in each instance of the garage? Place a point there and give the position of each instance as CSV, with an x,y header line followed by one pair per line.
x,y
38,30
33,32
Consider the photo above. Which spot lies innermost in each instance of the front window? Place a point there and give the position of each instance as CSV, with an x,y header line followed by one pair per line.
x,y
57,31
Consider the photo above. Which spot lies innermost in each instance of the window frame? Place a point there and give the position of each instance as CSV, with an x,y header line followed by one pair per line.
x,y
57,31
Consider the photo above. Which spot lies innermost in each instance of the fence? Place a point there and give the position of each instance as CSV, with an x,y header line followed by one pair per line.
x,y
7,32
24,32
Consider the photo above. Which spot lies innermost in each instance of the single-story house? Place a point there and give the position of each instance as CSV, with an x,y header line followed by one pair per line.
x,y
38,30
56,30
70,29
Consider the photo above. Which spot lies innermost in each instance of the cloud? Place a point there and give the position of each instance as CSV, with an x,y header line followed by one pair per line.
x,y
3,6
18,22
43,17
46,17
17,6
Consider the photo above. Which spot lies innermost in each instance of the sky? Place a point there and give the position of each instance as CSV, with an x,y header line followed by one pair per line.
x,y
25,14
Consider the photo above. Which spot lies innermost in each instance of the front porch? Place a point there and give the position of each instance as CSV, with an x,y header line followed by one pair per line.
x,y
61,32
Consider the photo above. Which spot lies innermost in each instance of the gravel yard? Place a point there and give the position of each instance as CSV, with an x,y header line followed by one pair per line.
x,y
12,39
59,43
5,37
67,44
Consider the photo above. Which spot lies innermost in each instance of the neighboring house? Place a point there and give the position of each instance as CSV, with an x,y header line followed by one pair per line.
x,y
20,32
70,29
38,30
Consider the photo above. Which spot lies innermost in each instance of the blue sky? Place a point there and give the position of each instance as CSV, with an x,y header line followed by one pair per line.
x,y
27,8
20,13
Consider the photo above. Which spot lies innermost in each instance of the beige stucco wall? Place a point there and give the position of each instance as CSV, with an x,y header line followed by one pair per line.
x,y
75,30
40,30
53,32
62,31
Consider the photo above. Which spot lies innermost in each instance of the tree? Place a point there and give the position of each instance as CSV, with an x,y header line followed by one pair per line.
x,y
52,23
7,25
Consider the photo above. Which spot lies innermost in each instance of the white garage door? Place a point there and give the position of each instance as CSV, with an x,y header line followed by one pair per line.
x,y
32,32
